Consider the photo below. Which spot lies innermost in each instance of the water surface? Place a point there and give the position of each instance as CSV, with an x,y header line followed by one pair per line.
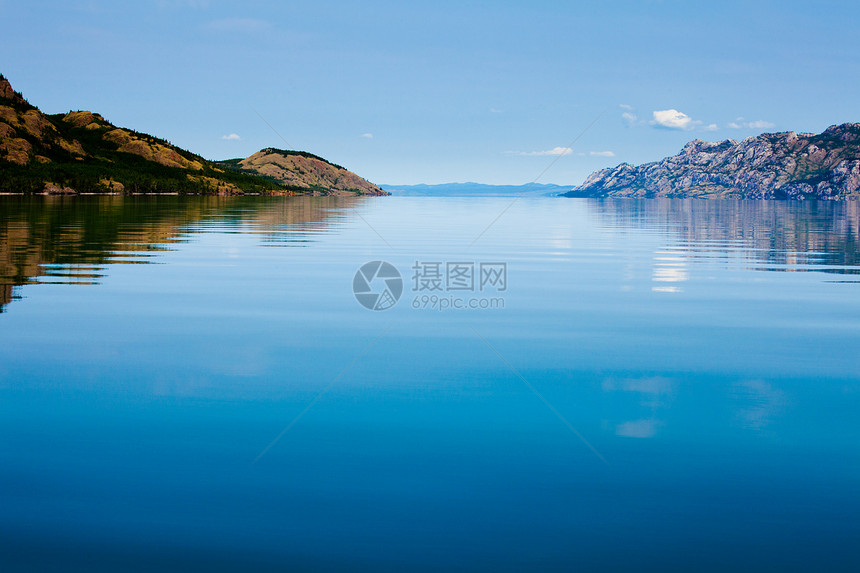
x,y
189,383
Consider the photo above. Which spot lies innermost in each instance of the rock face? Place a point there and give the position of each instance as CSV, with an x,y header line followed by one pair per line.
x,y
769,166
154,151
7,92
26,134
304,171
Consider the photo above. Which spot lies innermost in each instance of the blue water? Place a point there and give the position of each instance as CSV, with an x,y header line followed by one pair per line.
x,y
190,384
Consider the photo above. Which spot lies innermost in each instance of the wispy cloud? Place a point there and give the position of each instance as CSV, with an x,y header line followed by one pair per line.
x,y
739,123
231,137
494,110
244,25
671,119
553,151
557,151
629,118
367,135
711,127
761,124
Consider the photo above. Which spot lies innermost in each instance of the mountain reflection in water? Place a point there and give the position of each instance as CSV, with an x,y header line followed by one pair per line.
x,y
72,240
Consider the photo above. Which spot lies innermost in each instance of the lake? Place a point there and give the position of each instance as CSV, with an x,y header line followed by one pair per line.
x,y
193,383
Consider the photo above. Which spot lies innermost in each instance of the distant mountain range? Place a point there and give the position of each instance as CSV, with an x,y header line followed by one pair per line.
x,y
81,152
474,190
769,166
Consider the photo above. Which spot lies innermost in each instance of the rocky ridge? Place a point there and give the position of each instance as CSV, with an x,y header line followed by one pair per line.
x,y
769,166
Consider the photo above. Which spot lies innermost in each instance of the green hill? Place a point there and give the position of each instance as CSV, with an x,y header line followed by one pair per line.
x,y
81,152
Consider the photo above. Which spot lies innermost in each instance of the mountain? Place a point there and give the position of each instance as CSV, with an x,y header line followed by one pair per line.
x,y
302,171
769,166
474,190
81,152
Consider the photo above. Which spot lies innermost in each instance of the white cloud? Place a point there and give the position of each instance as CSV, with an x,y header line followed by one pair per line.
x,y
553,151
367,135
494,110
625,106
760,124
629,118
739,123
711,127
231,137
672,119
601,153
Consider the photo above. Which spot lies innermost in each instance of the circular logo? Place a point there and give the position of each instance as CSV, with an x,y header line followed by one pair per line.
x,y
377,285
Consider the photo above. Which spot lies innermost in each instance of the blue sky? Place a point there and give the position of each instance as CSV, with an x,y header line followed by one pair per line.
x,y
437,92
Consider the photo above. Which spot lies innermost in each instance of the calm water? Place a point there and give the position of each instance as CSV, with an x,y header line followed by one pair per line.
x,y
190,384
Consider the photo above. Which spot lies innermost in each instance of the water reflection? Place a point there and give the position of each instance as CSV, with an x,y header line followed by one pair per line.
x,y
652,395
71,240
759,402
763,235
670,266
132,411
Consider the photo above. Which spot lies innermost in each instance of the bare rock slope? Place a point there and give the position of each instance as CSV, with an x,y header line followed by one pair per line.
x,y
769,166
305,172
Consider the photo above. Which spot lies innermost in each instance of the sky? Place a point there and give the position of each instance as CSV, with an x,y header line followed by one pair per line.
x,y
404,92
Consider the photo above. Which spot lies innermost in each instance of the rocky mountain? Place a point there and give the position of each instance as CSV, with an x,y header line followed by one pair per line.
x,y
769,166
81,152
302,171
